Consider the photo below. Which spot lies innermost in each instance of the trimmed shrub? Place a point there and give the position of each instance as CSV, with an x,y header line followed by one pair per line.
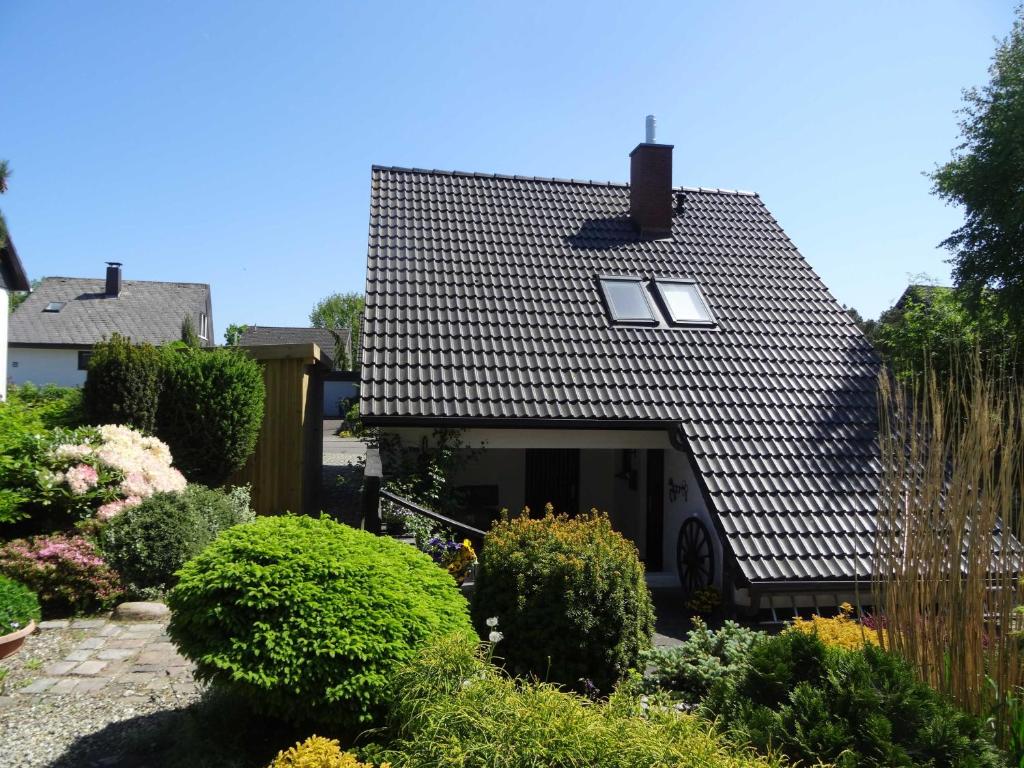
x,y
123,384
571,598
702,661
211,411
66,572
841,630
852,709
307,618
453,708
318,752
18,605
148,543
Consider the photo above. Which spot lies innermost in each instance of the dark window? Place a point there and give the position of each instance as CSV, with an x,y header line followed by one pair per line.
x,y
83,360
54,306
627,300
683,302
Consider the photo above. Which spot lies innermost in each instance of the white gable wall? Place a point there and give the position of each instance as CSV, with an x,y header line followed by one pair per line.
x,y
5,311
41,365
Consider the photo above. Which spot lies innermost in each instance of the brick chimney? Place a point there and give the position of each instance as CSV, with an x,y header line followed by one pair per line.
x,y
113,279
650,186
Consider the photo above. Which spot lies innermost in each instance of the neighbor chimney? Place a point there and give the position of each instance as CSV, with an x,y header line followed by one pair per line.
x,y
113,278
650,186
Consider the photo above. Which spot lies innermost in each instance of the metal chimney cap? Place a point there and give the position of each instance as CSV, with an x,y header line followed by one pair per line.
x,y
652,125
114,263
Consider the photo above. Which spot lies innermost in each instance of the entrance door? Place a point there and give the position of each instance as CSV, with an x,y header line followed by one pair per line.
x,y
655,509
553,475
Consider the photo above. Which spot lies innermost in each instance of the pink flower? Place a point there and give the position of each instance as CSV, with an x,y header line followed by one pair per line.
x,y
80,478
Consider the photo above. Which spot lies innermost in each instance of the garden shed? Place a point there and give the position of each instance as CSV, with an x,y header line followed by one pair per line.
x,y
285,469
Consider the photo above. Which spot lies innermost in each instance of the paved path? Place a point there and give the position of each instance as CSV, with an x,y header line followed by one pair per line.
x,y
87,692
131,658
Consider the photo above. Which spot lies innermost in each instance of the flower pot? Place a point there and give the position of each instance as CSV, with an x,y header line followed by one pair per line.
x,y
12,641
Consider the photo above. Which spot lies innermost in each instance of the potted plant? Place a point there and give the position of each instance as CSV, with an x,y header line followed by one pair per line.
x,y
19,609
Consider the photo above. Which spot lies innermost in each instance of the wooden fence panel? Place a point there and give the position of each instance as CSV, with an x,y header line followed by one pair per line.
x,y
285,468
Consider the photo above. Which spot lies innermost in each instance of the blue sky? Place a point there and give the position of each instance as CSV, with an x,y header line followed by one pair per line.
x,y
231,142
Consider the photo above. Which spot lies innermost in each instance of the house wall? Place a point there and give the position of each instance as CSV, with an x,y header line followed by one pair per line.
x,y
501,460
44,366
687,503
4,311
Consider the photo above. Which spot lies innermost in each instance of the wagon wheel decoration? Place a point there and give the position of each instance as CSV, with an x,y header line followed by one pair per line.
x,y
695,556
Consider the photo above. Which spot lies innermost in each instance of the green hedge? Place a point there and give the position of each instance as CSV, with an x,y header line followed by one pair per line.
x,y
147,544
306,618
570,598
211,411
123,384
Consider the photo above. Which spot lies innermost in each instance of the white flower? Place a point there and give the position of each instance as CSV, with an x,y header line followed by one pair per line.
x,y
492,622
495,637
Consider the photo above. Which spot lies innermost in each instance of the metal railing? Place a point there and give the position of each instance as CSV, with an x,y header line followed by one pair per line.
x,y
418,509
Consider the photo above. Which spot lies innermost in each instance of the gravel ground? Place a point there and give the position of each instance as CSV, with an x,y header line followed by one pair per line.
x,y
82,728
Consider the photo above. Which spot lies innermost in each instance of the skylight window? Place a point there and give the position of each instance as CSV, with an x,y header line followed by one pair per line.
x,y
54,306
627,300
683,302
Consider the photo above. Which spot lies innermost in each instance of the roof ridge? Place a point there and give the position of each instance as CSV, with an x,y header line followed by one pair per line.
x,y
103,279
549,179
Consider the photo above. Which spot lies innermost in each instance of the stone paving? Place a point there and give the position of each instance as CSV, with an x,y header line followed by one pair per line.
x,y
122,657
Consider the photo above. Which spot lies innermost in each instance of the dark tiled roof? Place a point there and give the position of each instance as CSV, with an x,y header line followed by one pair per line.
x,y
482,303
145,311
261,335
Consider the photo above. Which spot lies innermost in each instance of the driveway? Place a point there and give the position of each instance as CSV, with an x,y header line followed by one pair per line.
x,y
344,458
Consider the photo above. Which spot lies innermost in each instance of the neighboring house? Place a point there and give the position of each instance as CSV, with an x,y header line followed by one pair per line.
x,y
12,278
664,354
340,386
53,331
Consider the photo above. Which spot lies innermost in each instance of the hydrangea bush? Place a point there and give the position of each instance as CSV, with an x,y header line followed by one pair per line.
x,y
67,572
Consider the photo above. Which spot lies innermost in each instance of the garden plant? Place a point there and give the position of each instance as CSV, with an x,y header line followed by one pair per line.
x,y
307,619
571,596
148,543
18,606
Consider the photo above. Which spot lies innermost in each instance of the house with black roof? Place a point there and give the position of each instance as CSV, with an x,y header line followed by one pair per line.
x,y
662,353
12,279
53,331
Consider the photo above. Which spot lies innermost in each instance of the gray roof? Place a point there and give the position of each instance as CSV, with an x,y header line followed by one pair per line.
x,y
145,311
262,335
482,306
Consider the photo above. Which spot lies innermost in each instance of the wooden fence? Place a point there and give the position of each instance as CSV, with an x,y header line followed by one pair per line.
x,y
285,470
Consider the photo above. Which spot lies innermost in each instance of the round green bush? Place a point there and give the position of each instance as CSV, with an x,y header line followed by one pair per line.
x,y
306,618
148,543
211,411
18,605
570,598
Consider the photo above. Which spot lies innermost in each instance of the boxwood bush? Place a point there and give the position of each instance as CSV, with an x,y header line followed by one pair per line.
x,y
851,709
211,411
570,597
306,618
18,605
148,543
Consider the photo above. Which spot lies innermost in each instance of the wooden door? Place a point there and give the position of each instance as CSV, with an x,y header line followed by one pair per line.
x,y
553,475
